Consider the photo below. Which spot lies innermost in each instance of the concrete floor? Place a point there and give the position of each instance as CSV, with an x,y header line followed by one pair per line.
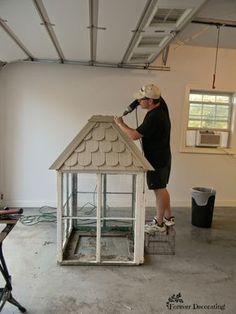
x,y
202,271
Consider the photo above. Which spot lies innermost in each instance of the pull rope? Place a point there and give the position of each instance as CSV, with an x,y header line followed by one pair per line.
x,y
216,57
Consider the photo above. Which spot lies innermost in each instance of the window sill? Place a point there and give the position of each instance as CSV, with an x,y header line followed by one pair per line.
x,y
207,150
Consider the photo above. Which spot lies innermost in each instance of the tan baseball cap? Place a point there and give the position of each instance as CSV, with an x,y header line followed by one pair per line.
x,y
150,91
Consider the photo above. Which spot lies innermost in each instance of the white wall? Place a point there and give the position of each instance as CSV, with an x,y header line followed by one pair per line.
x,y
43,106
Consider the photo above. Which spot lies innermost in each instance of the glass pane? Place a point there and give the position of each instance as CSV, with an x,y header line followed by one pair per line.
x,y
119,183
118,213
195,109
86,195
118,199
223,99
67,189
114,209
209,98
222,118
222,112
208,124
208,111
221,125
195,97
194,123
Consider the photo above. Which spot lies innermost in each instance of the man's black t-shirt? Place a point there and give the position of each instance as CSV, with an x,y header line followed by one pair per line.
x,y
155,131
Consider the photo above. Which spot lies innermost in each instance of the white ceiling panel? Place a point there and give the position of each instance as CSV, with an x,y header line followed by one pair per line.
x,y
128,33
9,51
120,18
180,4
71,19
23,19
206,36
219,9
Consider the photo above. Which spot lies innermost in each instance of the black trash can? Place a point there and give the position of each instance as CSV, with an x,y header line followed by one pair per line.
x,y
203,200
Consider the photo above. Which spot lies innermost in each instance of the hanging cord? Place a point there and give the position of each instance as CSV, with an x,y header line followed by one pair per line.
x,y
216,57
136,118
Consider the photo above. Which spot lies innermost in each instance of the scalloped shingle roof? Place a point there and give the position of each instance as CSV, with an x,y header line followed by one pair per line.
x,y
101,145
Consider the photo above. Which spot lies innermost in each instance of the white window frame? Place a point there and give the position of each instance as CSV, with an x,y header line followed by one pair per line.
x,y
231,149
202,103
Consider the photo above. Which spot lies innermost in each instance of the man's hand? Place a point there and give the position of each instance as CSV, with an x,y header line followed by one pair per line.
x,y
118,120
132,133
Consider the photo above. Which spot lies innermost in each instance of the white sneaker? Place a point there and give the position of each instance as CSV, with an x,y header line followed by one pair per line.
x,y
169,221
152,228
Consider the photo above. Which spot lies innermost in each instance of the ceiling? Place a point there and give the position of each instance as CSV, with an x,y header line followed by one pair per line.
x,y
115,33
202,31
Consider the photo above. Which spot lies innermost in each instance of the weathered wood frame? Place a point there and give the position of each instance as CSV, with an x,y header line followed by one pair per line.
x,y
139,218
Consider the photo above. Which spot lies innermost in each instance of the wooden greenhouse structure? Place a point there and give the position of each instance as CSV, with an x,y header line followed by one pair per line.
x,y
101,211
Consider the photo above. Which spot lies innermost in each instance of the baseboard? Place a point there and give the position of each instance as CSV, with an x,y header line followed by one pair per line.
x,y
29,203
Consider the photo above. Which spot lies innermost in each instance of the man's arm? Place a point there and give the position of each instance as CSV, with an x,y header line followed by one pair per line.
x,y
132,133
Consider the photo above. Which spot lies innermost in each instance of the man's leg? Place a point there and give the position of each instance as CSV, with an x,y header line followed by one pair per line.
x,y
162,204
157,181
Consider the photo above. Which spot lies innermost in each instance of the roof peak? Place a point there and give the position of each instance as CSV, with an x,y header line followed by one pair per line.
x,y
101,145
101,118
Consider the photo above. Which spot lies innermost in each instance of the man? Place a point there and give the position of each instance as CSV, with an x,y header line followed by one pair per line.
x,y
155,135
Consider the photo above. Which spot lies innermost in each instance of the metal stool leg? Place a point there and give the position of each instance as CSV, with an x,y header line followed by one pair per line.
x,y
17,304
6,292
